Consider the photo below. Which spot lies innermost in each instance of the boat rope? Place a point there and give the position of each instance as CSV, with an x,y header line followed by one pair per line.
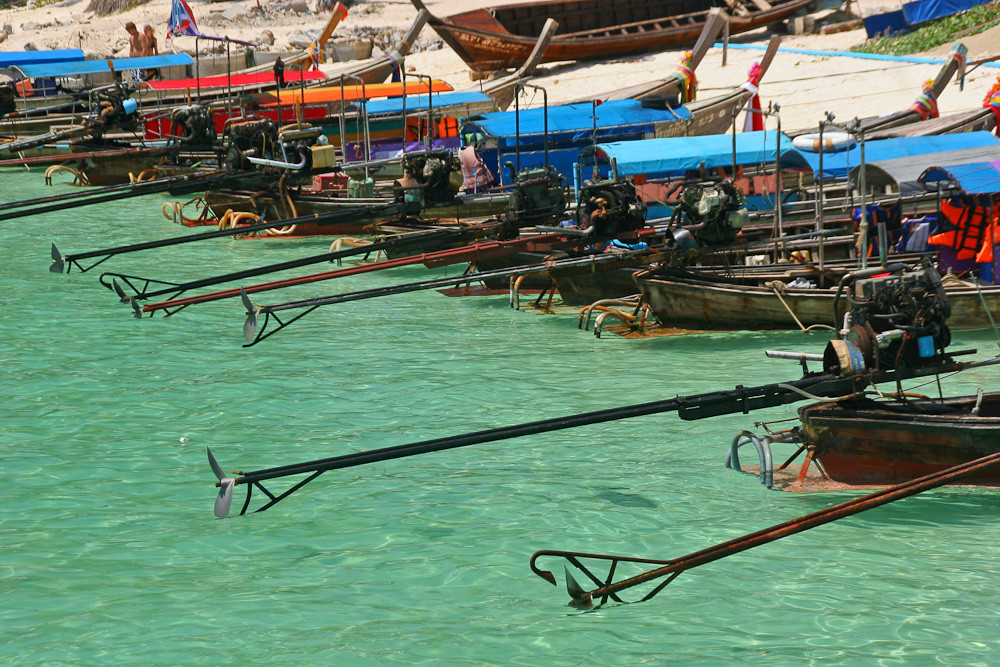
x,y
774,285
289,229
814,397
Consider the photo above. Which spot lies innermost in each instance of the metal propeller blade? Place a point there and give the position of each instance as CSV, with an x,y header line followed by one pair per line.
x,y
57,260
136,308
118,290
250,325
581,598
226,485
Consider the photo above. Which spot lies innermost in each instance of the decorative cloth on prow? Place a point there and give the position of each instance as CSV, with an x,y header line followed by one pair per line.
x,y
992,102
925,104
689,82
754,121
314,53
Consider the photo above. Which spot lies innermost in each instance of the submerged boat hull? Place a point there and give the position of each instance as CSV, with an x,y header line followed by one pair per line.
x,y
870,443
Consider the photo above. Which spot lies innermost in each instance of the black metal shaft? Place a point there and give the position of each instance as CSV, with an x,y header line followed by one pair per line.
x,y
178,184
740,399
292,263
438,282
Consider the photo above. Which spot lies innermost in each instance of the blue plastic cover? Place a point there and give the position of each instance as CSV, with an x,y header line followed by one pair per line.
x,y
890,23
570,118
98,66
420,102
975,178
11,58
928,10
836,165
663,157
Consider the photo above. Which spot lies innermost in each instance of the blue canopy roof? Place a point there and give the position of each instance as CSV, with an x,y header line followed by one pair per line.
x,y
661,157
419,102
570,118
99,66
837,164
974,178
11,58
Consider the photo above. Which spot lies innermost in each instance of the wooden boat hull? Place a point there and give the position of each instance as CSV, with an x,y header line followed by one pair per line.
x,y
367,212
867,443
503,36
117,169
703,302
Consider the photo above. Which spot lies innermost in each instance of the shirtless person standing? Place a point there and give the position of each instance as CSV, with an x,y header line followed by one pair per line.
x,y
137,44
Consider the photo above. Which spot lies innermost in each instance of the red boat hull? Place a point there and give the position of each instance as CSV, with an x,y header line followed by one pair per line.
x,y
865,443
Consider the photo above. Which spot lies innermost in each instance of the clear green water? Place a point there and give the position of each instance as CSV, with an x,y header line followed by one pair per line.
x,y
109,551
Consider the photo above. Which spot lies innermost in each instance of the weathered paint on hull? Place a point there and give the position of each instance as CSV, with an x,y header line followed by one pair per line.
x,y
485,44
704,305
872,446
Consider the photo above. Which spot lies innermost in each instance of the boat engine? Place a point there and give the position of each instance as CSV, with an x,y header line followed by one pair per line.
x,y
897,319
431,177
259,135
712,212
114,110
193,124
538,197
611,207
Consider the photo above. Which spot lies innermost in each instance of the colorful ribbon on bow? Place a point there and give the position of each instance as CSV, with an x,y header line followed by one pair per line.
x,y
689,82
926,104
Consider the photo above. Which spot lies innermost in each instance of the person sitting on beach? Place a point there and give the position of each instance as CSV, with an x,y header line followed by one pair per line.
x,y
137,44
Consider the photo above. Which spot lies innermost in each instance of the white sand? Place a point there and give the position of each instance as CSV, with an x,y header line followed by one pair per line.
x,y
805,86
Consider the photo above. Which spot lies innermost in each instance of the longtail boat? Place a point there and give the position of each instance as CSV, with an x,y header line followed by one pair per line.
x,y
686,299
501,37
924,108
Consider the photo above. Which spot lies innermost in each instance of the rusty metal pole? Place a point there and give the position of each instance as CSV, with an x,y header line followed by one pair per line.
x,y
774,533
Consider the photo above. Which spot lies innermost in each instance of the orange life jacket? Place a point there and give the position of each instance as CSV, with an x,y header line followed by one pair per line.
x,y
974,233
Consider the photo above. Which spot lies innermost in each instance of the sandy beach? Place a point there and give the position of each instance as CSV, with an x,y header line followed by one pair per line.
x,y
805,86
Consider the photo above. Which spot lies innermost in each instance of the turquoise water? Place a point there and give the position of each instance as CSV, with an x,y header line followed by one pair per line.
x,y
110,553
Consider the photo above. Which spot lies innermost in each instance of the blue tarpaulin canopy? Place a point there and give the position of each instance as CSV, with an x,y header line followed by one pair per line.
x,y
572,118
664,157
975,178
837,164
78,68
914,13
12,58
920,11
903,173
420,102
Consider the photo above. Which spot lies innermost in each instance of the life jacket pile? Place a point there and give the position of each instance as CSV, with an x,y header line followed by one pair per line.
x,y
971,227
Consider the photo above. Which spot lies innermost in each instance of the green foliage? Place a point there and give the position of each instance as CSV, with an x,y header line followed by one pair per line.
x,y
935,33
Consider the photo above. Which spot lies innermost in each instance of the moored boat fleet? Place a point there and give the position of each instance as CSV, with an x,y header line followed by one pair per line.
x,y
649,209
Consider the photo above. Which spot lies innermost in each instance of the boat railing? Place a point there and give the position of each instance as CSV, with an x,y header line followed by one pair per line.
x,y
763,446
